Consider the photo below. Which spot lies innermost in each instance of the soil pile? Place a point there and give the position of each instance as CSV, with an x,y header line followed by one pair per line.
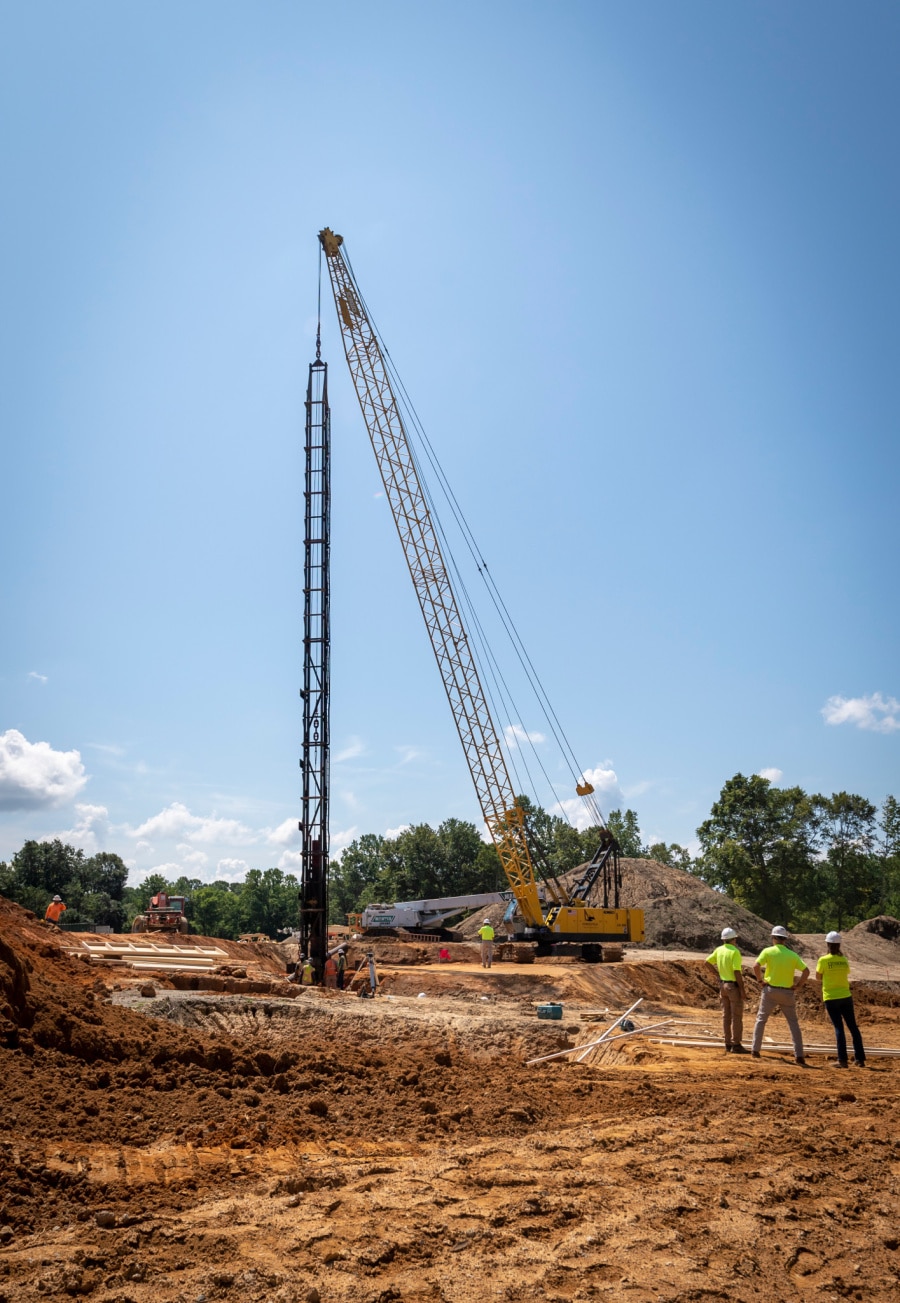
x,y
871,945
680,911
179,1147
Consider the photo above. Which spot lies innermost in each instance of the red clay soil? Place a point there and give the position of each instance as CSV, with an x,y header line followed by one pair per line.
x,y
197,1147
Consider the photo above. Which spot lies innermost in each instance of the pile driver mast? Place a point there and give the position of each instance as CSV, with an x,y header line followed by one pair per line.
x,y
569,918
316,669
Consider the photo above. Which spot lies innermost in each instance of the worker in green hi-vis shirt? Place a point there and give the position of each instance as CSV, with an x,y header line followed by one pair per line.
x,y
775,968
726,960
833,971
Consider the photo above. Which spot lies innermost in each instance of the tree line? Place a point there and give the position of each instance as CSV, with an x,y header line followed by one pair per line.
x,y
94,890
810,862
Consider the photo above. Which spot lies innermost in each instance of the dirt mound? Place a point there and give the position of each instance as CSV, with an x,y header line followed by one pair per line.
x,y
882,926
871,946
680,911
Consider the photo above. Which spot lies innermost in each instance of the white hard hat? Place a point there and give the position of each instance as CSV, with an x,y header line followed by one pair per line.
x,y
779,931
488,921
833,939
59,898
728,934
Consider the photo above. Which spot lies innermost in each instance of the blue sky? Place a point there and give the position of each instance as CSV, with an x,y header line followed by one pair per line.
x,y
638,268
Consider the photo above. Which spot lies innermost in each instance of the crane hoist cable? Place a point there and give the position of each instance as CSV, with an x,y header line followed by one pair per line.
x,y
583,787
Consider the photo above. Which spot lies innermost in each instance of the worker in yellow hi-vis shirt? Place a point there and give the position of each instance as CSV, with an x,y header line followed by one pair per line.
x,y
726,959
775,968
486,932
833,971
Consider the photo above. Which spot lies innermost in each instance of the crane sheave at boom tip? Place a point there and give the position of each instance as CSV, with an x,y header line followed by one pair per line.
x,y
329,241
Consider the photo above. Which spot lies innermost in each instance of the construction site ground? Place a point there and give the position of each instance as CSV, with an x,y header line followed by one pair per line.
x,y
220,1135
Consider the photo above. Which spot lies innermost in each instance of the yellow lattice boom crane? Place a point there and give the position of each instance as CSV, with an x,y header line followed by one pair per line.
x,y
567,916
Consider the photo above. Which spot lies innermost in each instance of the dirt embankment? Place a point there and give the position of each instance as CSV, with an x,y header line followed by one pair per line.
x,y
189,1146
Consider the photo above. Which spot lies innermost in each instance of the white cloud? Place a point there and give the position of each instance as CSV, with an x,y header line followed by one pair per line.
x,y
341,840
177,821
395,832
33,776
232,870
169,870
607,794
196,859
773,775
37,678
636,789
290,861
408,754
875,713
107,749
515,735
89,830
144,846
353,749
284,834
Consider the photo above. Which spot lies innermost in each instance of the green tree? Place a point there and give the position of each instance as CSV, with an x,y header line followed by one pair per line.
x,y
758,845
674,855
92,888
354,875
850,873
105,873
268,901
217,910
626,830
889,855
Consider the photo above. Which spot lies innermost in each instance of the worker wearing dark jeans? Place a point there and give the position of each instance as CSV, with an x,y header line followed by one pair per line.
x,y
833,972
55,910
341,967
726,959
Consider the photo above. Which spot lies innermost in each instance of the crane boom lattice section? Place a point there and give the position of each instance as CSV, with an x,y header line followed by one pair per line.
x,y
403,487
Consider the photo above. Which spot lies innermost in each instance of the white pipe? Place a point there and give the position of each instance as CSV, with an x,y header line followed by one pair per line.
x,y
638,1031
575,1048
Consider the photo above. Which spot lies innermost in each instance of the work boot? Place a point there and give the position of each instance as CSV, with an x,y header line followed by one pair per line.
x,y
801,1063
842,1063
755,1054
739,1049
860,1065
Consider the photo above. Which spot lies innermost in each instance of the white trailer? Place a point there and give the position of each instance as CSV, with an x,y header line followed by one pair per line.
x,y
427,915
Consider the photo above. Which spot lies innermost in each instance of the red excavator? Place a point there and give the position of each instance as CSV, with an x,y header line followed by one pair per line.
x,y
165,913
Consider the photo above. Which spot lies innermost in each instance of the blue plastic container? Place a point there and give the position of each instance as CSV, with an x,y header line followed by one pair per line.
x,y
550,1011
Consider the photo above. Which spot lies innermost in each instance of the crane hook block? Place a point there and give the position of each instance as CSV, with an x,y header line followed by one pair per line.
x,y
330,242
583,789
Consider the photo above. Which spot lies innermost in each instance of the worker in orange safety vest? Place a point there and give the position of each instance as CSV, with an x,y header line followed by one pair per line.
x,y
55,910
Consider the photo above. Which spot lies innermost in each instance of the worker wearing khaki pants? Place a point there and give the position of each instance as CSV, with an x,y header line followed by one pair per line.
x,y
486,932
726,960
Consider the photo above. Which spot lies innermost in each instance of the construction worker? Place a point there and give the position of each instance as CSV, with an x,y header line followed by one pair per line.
x,y
331,972
486,932
55,910
341,967
775,968
833,972
726,959
307,974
